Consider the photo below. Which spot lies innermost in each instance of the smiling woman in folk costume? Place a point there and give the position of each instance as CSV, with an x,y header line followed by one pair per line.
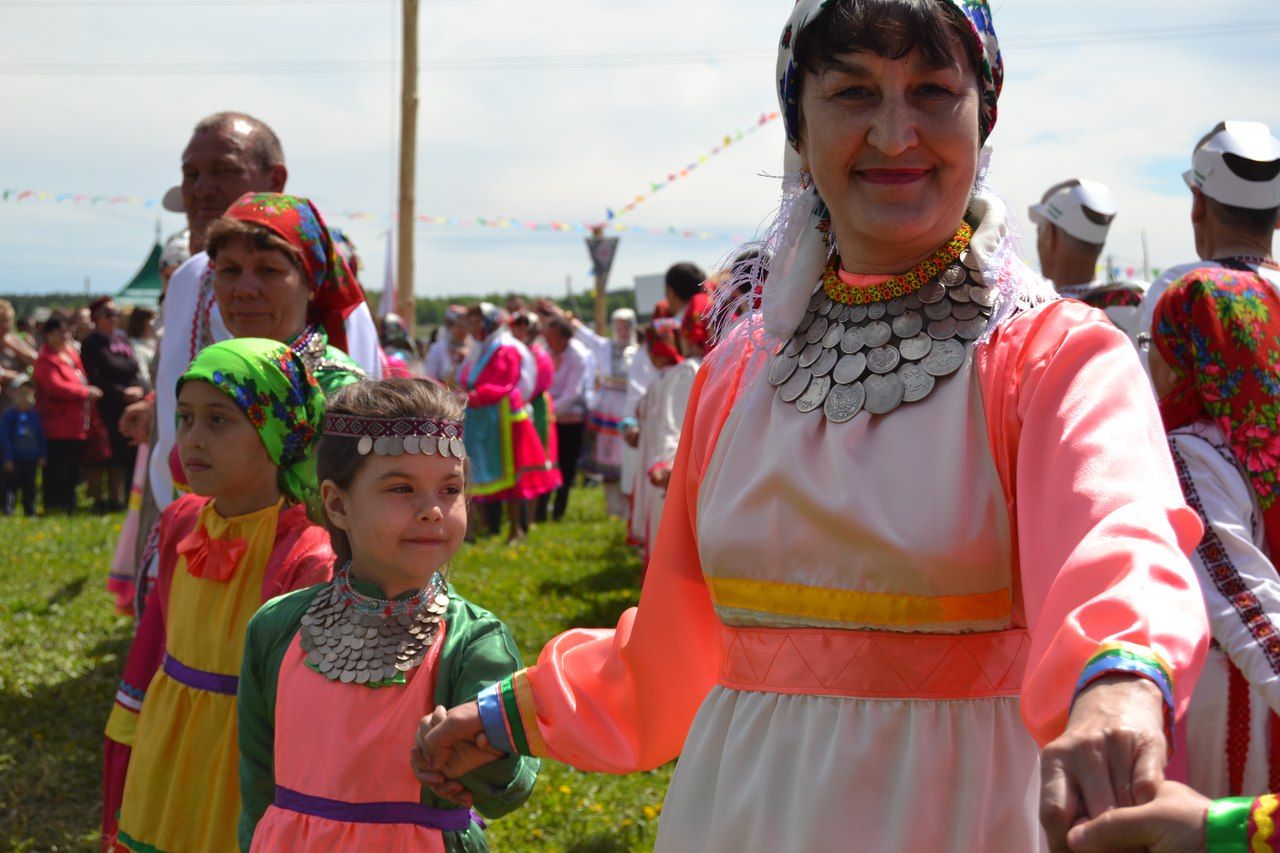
x,y
248,412
508,462
1216,366
921,521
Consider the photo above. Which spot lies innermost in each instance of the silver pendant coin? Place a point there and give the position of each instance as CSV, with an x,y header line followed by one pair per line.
x,y
972,329
816,394
883,359
834,333
941,330
815,301
395,446
908,325
857,313
877,334
459,449
817,330
825,362
444,445
938,310
850,368
916,383
365,447
931,292
915,348
953,276
810,354
984,296
855,338
944,359
795,385
843,402
895,307
381,445
959,294
884,393
967,311
782,368
912,301
795,345
876,310
412,444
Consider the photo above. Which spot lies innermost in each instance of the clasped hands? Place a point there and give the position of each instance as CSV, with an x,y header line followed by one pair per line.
x,y
450,744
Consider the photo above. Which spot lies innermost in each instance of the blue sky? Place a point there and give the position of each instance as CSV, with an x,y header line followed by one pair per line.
x,y
559,143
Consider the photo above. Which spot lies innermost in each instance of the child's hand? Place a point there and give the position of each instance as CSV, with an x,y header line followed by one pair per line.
x,y
439,765
1171,823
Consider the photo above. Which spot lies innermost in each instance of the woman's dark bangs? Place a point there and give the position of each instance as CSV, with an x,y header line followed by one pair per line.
x,y
888,28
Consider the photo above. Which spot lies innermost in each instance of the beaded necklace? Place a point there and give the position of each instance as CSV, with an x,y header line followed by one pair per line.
x,y
900,285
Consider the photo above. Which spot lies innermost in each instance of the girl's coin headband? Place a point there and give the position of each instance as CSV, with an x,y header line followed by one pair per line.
x,y
394,436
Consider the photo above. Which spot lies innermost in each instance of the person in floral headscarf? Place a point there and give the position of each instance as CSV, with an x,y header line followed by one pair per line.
x,y
249,411
921,577
1216,365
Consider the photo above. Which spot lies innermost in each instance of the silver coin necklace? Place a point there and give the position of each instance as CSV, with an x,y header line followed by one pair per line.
x,y
358,639
848,356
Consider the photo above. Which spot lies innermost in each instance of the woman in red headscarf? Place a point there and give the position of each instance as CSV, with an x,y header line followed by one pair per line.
x,y
1216,367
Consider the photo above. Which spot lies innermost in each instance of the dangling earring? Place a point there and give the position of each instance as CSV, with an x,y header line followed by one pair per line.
x,y
806,179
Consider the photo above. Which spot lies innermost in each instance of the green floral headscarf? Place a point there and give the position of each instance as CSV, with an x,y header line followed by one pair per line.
x,y
279,396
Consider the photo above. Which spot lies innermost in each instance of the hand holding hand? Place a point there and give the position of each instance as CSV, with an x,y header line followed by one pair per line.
x,y
1112,753
1171,823
450,744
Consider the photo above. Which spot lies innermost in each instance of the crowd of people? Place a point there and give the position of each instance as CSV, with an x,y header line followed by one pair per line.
x,y
65,378
974,557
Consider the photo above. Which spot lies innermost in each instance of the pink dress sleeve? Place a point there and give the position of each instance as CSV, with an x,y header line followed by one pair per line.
x,y
622,700
498,379
1101,528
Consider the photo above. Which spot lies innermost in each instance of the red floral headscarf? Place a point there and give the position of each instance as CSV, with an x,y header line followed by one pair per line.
x,y
694,326
295,220
1219,331
660,337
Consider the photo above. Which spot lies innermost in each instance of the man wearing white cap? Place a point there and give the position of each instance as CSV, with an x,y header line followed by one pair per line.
x,y
1235,189
1072,221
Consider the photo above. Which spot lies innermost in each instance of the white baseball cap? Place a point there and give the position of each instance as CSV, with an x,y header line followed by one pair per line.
x,y
1083,209
1238,164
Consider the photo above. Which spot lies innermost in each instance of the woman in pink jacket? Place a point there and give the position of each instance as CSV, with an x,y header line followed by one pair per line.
x,y
63,397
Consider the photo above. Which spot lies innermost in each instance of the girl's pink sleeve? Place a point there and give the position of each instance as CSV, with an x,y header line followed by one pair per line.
x,y
622,700
499,379
1101,528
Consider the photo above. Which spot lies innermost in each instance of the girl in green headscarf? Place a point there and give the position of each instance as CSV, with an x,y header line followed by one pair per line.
x,y
248,414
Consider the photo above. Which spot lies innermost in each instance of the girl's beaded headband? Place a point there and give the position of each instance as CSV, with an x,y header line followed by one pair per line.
x,y
394,436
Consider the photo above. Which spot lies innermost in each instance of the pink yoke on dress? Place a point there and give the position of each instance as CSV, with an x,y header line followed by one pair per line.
x,y
344,756
887,632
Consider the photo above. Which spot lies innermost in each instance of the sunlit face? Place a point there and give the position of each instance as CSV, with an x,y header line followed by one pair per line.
x,y
218,167
475,325
221,453
893,148
622,331
260,294
107,318
405,516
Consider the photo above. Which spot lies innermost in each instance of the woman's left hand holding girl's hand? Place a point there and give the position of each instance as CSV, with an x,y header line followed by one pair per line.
x,y
440,772
1112,754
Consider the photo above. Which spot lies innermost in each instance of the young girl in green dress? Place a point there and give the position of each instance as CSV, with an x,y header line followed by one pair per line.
x,y
337,676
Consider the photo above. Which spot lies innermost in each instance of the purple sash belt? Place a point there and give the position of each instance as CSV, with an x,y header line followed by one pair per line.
x,y
445,820
199,678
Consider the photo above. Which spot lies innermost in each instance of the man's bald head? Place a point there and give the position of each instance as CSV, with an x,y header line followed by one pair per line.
x,y
263,143
229,155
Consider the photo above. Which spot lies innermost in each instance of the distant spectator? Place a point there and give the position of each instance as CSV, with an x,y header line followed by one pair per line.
x,y
398,347
141,332
22,448
450,348
81,325
574,369
16,355
111,365
177,250
63,398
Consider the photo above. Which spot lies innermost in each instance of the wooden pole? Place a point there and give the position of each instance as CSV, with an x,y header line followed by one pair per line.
x,y
406,307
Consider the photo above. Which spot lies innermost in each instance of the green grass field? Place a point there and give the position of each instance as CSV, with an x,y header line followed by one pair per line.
x,y
62,646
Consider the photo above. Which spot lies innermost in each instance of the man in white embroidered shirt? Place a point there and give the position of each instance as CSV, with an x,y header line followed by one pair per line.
x,y
568,393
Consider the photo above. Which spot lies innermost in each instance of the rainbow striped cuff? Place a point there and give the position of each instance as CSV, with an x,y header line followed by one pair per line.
x,y
507,714
1118,657
1242,825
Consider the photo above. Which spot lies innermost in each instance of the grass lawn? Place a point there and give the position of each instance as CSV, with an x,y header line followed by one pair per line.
x,y
62,646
